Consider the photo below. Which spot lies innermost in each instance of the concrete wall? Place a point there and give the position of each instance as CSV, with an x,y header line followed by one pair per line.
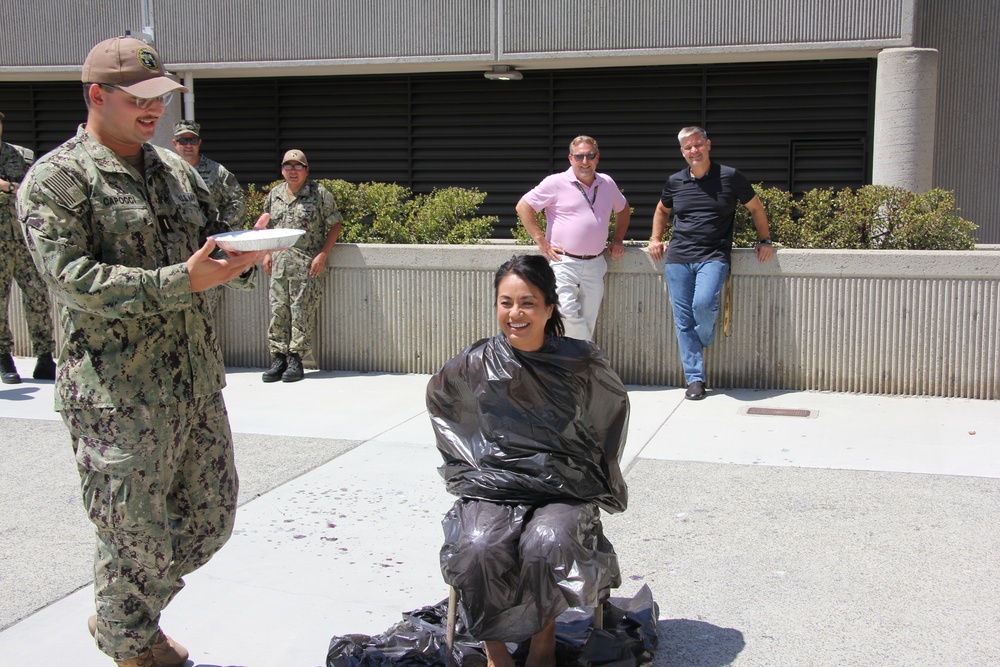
x,y
881,322
255,38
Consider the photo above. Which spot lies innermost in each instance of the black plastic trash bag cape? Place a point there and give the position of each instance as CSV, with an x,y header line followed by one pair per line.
x,y
531,427
628,639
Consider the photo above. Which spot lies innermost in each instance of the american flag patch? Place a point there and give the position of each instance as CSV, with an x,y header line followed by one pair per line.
x,y
63,186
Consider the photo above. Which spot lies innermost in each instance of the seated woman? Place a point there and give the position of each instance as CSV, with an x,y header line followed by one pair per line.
x,y
531,426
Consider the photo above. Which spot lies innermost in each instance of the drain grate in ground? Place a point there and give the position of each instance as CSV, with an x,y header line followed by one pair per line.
x,y
781,412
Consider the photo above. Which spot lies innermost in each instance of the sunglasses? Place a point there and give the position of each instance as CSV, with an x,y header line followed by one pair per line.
x,y
293,166
142,102
188,141
579,157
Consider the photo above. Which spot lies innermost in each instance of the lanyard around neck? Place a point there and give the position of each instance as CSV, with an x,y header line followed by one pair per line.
x,y
590,202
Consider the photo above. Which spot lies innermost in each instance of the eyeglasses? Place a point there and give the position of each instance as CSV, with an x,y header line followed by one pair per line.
x,y
579,157
188,141
293,166
143,102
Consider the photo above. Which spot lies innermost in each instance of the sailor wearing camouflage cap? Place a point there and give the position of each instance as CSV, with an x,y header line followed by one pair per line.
x,y
296,285
119,229
226,191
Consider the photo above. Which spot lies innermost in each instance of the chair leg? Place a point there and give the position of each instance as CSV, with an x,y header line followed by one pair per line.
x,y
449,636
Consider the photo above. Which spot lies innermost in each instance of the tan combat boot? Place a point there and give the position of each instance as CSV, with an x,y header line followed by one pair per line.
x,y
168,652
165,651
145,659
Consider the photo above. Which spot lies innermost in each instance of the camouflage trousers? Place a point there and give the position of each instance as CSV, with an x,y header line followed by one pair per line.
x,y
293,306
160,486
16,264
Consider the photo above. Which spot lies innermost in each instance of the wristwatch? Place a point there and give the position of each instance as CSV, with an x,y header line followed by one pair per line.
x,y
766,241
10,187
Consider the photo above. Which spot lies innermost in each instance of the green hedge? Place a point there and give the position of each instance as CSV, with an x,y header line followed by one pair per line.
x,y
874,217
391,213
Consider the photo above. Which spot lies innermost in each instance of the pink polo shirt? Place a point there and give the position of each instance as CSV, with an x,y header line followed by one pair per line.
x,y
571,222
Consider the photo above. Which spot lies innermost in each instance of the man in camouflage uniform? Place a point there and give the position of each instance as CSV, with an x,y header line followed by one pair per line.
x,y
298,203
225,189
118,228
15,264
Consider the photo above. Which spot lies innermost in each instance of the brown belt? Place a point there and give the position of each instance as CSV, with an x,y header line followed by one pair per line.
x,y
569,254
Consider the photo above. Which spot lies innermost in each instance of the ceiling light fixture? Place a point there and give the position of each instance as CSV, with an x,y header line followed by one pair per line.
x,y
503,73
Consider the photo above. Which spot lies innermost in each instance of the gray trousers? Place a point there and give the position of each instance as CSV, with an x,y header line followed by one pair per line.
x,y
517,567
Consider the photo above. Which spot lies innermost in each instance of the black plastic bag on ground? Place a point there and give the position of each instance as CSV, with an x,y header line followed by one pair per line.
x,y
628,639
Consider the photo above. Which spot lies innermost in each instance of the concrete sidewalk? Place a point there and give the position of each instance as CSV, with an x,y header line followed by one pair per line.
x,y
863,533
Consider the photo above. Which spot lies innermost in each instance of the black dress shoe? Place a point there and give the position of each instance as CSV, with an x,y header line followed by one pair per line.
x,y
278,366
695,391
45,368
9,370
294,371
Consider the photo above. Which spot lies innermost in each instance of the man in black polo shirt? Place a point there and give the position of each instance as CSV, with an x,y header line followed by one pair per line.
x,y
702,199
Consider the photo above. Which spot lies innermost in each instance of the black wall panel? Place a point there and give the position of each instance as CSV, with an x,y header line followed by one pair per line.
x,y
790,125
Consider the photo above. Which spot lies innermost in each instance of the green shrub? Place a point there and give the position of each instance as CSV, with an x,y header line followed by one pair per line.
x,y
373,212
255,203
520,234
872,217
448,216
389,213
875,217
779,207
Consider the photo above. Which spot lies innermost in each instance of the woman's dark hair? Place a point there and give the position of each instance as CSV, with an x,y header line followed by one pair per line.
x,y
534,269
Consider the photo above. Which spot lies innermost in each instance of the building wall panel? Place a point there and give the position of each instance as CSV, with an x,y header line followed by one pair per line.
x,y
965,158
388,33
54,33
315,30
562,27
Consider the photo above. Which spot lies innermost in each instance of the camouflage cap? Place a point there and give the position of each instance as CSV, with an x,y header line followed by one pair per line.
x,y
131,65
295,155
187,127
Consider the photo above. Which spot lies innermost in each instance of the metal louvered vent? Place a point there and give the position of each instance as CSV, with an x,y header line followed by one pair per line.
x,y
789,125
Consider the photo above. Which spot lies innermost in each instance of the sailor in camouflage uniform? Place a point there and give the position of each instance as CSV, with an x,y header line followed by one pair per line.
x,y
225,189
296,273
118,228
16,264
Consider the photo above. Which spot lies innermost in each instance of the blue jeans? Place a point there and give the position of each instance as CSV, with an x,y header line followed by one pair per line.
x,y
694,294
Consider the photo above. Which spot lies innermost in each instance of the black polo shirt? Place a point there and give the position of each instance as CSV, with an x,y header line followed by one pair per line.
x,y
704,211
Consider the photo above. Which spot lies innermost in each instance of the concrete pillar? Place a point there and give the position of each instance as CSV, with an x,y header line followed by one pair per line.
x,y
189,96
905,114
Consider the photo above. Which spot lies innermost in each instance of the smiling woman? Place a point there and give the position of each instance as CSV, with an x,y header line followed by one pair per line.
x,y
524,311
531,426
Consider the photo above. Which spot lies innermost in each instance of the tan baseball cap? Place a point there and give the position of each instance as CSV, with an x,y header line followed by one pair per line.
x,y
131,65
295,155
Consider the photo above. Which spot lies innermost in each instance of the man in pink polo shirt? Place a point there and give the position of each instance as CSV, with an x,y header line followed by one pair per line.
x,y
578,204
